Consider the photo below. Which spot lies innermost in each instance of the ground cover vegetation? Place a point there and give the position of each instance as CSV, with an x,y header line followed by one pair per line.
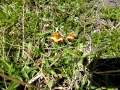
x,y
90,61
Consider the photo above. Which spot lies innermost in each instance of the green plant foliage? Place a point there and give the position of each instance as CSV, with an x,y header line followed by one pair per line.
x,y
26,50
12,85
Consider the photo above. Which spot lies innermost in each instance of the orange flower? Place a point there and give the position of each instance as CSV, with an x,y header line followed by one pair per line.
x,y
70,36
56,37
60,38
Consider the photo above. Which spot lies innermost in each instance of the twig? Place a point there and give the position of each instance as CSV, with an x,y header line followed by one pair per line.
x,y
23,9
55,60
113,71
18,81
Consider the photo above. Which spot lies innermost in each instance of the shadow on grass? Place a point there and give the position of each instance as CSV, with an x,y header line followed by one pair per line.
x,y
106,72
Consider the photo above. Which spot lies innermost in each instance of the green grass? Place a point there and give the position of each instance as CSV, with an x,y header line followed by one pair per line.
x,y
25,48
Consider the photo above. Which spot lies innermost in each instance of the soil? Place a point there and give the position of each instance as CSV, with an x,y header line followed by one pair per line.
x,y
110,2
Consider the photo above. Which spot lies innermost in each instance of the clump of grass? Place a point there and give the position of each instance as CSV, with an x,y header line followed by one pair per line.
x,y
26,51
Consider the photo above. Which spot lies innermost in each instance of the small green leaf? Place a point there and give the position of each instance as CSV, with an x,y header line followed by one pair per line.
x,y
5,64
79,75
12,85
52,71
84,80
28,70
50,83
25,74
80,47
70,51
10,70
